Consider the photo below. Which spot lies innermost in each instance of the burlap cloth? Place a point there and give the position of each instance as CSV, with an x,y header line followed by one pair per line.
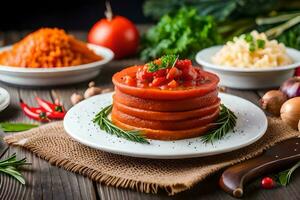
x,y
51,143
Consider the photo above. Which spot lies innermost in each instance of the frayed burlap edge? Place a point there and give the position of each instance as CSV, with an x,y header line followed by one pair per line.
x,y
19,139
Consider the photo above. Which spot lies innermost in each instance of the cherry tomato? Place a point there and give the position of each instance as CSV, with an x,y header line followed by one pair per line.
x,y
267,183
118,34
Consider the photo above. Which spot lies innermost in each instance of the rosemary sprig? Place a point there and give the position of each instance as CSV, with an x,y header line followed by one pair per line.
x,y
225,123
284,177
107,125
11,165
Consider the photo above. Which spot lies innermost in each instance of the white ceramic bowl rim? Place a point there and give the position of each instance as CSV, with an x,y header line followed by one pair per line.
x,y
106,53
209,52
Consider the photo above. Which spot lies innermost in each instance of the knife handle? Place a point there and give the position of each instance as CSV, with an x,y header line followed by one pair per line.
x,y
234,178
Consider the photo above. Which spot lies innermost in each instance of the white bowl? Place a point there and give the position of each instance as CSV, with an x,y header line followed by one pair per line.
x,y
4,99
55,76
245,78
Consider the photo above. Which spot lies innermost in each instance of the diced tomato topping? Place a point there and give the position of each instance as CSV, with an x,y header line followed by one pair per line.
x,y
143,74
173,73
158,81
173,84
129,81
182,73
181,64
189,83
189,73
160,73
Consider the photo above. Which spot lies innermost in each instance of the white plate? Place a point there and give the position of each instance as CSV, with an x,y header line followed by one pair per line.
x,y
251,126
4,99
243,78
55,76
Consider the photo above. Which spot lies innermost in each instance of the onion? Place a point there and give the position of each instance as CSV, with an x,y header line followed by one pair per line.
x,y
291,87
290,112
272,101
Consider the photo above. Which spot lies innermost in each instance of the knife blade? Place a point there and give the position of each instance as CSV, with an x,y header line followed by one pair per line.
x,y
277,157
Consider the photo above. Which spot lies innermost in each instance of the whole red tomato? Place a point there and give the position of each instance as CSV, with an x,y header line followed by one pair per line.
x,y
118,34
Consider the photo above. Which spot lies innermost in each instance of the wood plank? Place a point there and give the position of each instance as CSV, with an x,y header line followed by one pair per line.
x,y
11,113
43,180
48,182
3,145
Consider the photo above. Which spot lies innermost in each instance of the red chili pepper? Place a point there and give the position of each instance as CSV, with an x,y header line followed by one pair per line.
x,y
34,113
54,111
50,107
56,115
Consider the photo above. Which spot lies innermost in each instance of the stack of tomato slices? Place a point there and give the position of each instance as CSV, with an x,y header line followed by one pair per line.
x,y
162,111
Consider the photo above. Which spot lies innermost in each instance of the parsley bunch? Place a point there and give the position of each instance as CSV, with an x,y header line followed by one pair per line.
x,y
184,34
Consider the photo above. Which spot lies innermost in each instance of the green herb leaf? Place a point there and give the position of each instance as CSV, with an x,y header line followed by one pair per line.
x,y
167,61
11,165
16,127
225,123
260,43
285,176
248,38
251,47
105,124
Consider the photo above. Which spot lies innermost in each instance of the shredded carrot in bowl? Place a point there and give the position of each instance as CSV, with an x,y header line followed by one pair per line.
x,y
48,48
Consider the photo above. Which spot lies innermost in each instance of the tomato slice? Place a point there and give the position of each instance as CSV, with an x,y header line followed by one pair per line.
x,y
163,125
209,84
167,116
166,105
166,134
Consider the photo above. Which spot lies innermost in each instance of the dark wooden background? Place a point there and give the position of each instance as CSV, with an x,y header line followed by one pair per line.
x,y
44,181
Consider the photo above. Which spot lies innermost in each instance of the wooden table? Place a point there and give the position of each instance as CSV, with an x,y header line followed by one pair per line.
x,y
45,181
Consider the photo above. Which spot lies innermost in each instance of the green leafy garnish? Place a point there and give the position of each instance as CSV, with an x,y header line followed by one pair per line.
x,y
16,127
11,165
105,124
260,43
225,123
284,177
291,37
166,62
251,47
248,38
183,33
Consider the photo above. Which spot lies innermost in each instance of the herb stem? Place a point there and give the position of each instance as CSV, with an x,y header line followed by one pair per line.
x,y
10,167
107,125
225,123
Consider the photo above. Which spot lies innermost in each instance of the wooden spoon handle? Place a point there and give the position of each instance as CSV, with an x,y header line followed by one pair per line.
x,y
233,179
